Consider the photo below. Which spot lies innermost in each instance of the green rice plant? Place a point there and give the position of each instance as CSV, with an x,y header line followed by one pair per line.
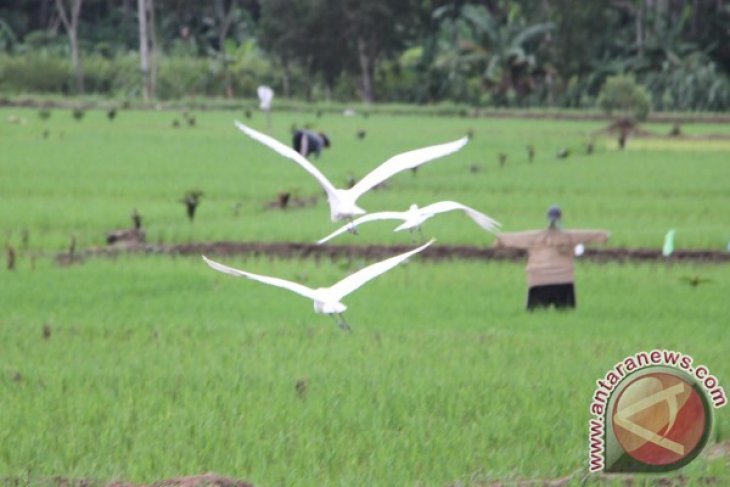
x,y
144,368
85,179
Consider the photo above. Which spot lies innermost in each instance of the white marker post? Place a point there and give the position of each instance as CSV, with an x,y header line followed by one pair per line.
x,y
266,97
668,247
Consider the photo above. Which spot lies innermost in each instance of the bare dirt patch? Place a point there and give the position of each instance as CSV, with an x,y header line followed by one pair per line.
x,y
630,128
288,250
205,480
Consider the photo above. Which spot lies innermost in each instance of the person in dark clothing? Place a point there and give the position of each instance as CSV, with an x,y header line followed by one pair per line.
x,y
307,142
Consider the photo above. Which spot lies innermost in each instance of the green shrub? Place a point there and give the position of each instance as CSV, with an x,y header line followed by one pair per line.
x,y
249,69
180,76
623,95
111,76
35,73
694,84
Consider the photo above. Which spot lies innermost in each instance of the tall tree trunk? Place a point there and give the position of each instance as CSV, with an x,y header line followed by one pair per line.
x,y
640,29
70,21
225,16
144,51
153,50
367,69
76,62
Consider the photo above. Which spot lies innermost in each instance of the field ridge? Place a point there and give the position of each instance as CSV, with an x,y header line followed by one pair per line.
x,y
436,252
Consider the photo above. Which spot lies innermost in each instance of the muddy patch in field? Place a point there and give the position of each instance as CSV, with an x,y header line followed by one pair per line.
x,y
718,451
288,250
205,480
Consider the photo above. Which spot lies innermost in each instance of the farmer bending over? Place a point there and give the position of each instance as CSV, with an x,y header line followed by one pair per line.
x,y
307,142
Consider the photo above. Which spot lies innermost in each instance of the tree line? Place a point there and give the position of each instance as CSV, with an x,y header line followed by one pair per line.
x,y
511,53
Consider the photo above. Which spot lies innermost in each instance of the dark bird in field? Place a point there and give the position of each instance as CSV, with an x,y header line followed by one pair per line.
x,y
502,159
191,200
78,113
694,281
44,113
590,146
563,153
361,134
530,152
283,199
10,254
475,168
676,130
470,133
46,331
175,123
72,247
25,238
622,139
111,114
189,118
301,387
136,219
247,113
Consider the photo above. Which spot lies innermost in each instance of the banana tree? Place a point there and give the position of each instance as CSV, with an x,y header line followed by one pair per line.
x,y
499,49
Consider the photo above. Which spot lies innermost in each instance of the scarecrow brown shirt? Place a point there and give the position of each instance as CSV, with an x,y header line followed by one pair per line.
x,y
550,252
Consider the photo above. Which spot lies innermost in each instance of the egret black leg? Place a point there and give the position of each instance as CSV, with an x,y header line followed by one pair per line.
x,y
342,323
350,227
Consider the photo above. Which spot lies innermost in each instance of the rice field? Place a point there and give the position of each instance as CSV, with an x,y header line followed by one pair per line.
x,y
85,178
141,368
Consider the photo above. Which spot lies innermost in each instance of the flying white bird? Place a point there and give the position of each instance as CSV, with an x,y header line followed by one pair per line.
x,y
342,201
327,300
414,217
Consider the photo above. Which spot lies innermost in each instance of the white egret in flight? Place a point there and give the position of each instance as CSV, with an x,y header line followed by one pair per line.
x,y
342,201
414,217
327,300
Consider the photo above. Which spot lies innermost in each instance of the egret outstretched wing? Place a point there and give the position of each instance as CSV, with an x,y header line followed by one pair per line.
x,y
484,221
273,281
287,151
383,215
354,281
407,160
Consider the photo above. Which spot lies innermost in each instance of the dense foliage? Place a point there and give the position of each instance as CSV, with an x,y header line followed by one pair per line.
x,y
516,53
